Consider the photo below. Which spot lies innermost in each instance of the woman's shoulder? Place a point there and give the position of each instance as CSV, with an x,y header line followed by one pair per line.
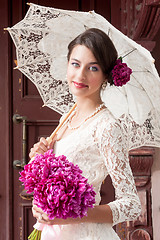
x,y
107,118
106,121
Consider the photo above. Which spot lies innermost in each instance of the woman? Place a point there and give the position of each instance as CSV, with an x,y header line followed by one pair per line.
x,y
93,139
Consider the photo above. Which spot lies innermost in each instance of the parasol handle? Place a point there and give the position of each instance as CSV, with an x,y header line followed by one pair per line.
x,y
49,139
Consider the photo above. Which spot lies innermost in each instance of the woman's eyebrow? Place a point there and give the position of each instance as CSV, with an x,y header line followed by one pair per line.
x,y
93,63
74,59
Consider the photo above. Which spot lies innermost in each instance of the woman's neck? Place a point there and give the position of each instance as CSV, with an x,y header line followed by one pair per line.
x,y
86,106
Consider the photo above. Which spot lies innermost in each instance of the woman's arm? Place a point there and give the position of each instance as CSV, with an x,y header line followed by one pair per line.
x,y
98,214
114,148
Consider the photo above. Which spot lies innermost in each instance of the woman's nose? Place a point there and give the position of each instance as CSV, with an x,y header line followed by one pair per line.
x,y
81,73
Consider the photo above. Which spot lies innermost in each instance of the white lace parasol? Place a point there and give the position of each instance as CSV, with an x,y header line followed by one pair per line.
x,y
41,41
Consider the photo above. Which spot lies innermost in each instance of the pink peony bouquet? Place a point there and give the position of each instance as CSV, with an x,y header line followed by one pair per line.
x,y
121,73
59,188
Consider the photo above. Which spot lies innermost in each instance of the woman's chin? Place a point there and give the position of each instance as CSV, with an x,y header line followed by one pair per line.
x,y
78,92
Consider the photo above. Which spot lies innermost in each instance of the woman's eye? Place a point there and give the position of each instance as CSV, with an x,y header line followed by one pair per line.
x,y
75,64
93,68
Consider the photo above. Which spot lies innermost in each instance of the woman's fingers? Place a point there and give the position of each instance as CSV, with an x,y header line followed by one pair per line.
x,y
39,148
39,214
51,144
36,214
37,209
43,143
32,153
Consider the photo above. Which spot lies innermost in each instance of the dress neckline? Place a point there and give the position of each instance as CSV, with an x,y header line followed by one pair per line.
x,y
83,127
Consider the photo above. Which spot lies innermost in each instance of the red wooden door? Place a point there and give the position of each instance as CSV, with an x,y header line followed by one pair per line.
x,y
40,121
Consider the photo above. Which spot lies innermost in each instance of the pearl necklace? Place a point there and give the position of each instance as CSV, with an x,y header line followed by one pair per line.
x,y
87,118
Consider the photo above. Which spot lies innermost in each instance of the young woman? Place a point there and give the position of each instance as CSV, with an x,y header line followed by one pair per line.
x,y
93,139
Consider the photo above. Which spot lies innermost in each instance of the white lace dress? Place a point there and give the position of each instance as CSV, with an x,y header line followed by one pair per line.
x,y
100,148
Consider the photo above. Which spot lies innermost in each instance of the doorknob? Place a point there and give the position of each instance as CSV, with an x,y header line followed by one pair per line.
x,y
17,164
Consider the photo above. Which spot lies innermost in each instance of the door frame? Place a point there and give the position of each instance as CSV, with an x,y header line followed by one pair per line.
x,y
6,190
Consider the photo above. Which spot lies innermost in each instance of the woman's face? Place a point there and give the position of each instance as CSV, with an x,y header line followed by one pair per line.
x,y
84,75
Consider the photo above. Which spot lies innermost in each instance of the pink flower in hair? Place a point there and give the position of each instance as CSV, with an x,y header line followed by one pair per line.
x,y
121,73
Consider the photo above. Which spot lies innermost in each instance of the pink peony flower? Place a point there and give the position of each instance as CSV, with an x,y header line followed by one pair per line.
x,y
59,188
121,73
36,170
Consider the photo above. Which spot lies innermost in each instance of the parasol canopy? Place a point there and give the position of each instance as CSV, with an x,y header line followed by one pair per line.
x,y
41,41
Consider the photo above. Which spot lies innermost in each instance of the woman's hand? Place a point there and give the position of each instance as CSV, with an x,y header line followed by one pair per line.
x,y
42,217
41,147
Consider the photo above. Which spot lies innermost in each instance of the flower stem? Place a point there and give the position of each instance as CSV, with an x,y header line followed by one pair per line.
x,y
35,235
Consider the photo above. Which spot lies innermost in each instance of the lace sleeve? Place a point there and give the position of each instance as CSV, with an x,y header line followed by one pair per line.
x,y
113,147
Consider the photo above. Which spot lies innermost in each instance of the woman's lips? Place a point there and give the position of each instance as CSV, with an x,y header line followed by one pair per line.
x,y
80,85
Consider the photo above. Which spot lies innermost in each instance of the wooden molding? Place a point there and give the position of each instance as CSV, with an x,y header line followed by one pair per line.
x,y
140,20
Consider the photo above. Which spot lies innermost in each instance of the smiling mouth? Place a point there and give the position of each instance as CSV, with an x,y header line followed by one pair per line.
x,y
80,85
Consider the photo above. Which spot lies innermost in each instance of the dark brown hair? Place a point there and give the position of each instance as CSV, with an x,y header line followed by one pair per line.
x,y
101,46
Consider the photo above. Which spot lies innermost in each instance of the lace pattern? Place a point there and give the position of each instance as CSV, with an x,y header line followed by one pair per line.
x,y
34,60
102,149
113,144
146,134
